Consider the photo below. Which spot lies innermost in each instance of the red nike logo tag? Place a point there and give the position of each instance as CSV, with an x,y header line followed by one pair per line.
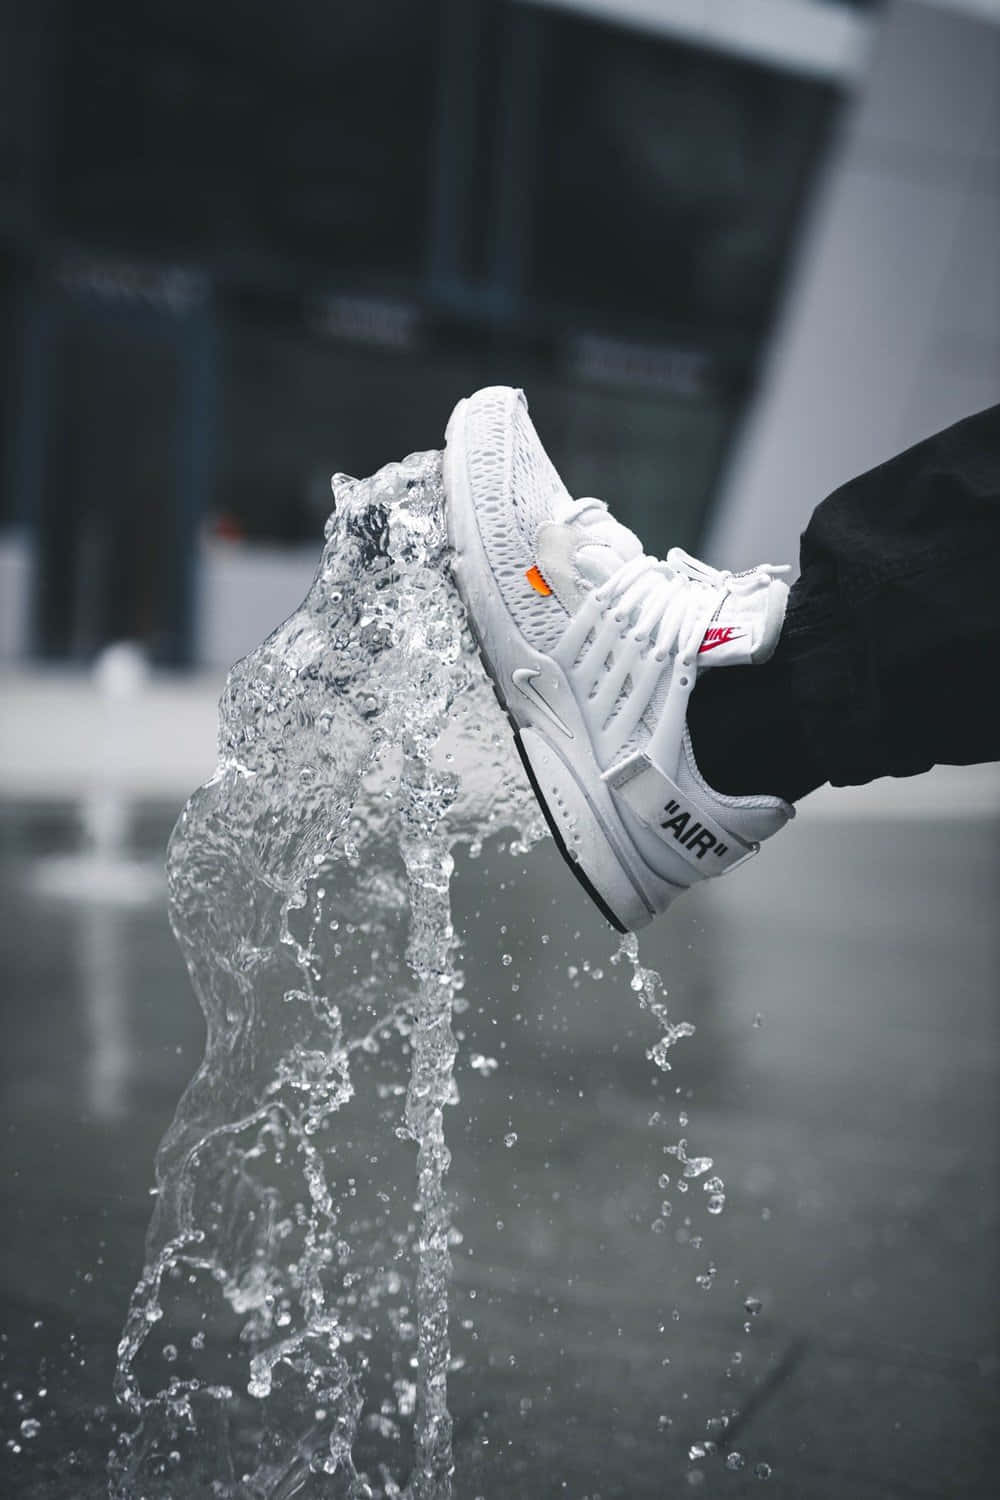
x,y
718,635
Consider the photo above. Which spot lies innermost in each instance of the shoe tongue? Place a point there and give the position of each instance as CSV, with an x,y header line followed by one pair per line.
x,y
746,628
604,543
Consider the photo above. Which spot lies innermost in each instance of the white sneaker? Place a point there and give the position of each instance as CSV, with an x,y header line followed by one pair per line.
x,y
593,649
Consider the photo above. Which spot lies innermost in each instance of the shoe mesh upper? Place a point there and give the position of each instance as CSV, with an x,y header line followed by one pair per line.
x,y
515,490
536,487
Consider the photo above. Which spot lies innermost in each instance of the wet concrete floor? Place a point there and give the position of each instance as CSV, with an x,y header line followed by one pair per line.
x,y
843,1077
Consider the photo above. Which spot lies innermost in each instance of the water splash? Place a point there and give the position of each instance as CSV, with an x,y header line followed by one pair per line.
x,y
648,985
279,1342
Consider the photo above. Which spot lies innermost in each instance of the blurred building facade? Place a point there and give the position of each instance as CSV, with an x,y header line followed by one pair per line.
x,y
242,247
890,326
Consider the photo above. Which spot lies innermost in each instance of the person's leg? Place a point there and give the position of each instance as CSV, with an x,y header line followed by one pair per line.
x,y
888,660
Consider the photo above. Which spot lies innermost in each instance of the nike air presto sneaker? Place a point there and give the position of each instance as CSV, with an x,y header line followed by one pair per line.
x,y
594,649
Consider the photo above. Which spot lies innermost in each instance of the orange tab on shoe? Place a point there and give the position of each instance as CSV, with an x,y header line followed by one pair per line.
x,y
537,581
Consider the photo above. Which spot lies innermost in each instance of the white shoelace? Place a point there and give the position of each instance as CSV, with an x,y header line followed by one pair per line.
x,y
671,602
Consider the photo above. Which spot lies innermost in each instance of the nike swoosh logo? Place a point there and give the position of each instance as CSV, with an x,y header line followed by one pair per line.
x,y
524,680
719,637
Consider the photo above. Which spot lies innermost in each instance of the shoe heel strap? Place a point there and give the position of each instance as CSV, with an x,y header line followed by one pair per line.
x,y
681,824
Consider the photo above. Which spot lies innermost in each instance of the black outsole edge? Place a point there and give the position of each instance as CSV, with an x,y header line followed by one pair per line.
x,y
573,864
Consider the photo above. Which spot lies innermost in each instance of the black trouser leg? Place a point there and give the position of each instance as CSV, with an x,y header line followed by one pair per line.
x,y
889,660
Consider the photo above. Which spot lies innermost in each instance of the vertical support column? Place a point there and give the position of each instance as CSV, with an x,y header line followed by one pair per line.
x,y
463,27
516,157
26,446
194,467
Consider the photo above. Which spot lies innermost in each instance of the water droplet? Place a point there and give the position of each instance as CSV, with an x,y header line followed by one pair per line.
x,y
735,1460
510,1139
170,1353
506,960
762,1471
758,1020
30,1427
716,1203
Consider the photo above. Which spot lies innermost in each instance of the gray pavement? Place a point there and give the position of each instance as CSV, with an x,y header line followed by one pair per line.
x,y
855,1126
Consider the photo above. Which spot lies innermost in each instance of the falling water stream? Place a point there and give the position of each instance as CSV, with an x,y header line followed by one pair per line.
x,y
289,1334
309,888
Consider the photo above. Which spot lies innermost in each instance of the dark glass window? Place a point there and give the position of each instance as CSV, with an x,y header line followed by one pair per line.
x,y
668,183
235,133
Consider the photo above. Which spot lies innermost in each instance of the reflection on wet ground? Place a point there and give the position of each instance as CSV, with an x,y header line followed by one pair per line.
x,y
843,1077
